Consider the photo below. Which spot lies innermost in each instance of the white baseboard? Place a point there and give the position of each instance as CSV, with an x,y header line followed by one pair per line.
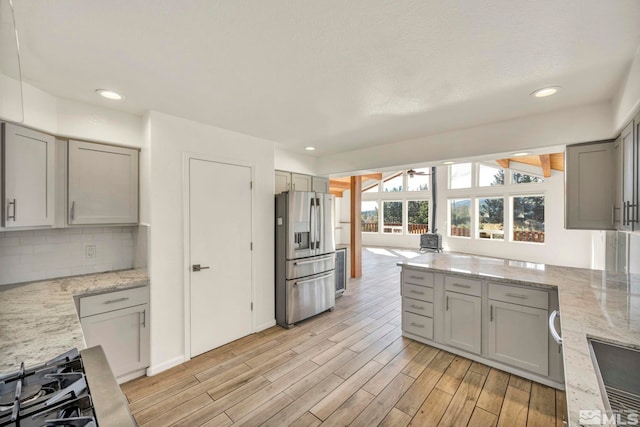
x,y
156,369
131,376
266,325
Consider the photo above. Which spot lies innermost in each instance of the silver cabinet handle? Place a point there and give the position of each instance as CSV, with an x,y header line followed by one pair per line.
x,y
417,307
447,303
459,285
198,267
15,205
521,296
416,277
113,301
625,213
144,318
552,328
491,313
417,325
416,292
73,210
301,282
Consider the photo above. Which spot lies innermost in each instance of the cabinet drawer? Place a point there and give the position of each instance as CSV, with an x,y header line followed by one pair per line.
x,y
418,292
463,285
416,324
416,277
103,303
418,307
521,296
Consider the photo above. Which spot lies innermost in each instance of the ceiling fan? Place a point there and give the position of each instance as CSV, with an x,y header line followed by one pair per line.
x,y
412,172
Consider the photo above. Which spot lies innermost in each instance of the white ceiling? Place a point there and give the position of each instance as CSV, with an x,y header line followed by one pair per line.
x,y
340,75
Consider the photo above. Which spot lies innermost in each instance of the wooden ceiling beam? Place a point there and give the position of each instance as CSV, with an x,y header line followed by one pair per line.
x,y
336,193
503,162
377,176
339,184
545,162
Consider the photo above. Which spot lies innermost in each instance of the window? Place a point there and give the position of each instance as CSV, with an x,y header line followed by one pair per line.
x,y
418,216
369,216
392,213
491,218
393,183
521,178
419,181
460,217
528,219
460,176
373,189
489,176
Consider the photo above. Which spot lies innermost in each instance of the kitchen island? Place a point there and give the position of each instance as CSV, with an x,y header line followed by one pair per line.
x,y
39,320
592,304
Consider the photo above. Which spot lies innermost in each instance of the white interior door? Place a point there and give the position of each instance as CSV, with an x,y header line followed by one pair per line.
x,y
220,239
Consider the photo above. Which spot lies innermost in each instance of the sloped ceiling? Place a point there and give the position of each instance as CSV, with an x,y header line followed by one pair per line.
x,y
339,75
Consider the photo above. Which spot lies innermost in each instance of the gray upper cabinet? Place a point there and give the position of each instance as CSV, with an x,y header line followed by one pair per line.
x,y
28,177
319,184
589,180
626,177
282,182
103,184
300,182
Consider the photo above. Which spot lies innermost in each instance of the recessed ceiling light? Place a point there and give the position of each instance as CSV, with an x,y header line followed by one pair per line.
x,y
309,148
109,94
523,153
545,91
449,162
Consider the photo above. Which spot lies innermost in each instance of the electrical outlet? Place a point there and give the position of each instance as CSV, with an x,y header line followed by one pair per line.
x,y
90,251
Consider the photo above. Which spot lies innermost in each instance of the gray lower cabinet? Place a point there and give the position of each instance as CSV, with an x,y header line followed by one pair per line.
x,y
119,322
463,321
518,336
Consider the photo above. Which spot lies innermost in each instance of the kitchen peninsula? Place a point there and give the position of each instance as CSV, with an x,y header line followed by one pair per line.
x,y
592,304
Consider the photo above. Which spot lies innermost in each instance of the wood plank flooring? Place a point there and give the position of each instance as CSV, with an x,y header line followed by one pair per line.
x,y
347,367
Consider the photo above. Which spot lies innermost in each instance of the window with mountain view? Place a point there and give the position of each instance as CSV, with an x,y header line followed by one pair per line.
x,y
418,216
369,216
491,218
392,214
528,219
460,217
490,176
522,178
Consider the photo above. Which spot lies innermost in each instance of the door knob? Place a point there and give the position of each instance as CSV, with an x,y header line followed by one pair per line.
x,y
197,267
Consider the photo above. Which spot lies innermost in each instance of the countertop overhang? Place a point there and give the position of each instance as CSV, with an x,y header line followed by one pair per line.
x,y
593,303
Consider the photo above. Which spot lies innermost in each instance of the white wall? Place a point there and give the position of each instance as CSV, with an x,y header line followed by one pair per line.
x,y
627,102
72,119
580,124
170,137
289,161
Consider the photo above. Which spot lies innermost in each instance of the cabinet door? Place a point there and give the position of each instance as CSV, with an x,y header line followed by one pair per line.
x,y
29,177
300,182
518,336
124,336
628,176
462,321
618,156
589,179
319,185
283,182
103,184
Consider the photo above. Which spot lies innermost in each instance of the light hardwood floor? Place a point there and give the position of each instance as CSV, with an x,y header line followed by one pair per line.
x,y
347,367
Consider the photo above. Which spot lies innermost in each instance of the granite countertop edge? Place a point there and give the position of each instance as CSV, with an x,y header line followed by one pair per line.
x,y
33,339
586,312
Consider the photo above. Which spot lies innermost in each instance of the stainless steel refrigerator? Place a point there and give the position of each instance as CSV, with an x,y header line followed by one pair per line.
x,y
305,256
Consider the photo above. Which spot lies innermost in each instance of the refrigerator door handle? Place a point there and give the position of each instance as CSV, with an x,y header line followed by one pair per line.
x,y
319,222
312,226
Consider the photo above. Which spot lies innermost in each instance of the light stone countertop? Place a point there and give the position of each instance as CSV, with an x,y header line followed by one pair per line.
x,y
593,303
39,320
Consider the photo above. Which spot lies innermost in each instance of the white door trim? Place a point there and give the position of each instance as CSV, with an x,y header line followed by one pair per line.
x,y
187,156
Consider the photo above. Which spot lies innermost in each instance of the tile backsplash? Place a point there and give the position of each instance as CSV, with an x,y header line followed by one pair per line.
x,y
44,254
